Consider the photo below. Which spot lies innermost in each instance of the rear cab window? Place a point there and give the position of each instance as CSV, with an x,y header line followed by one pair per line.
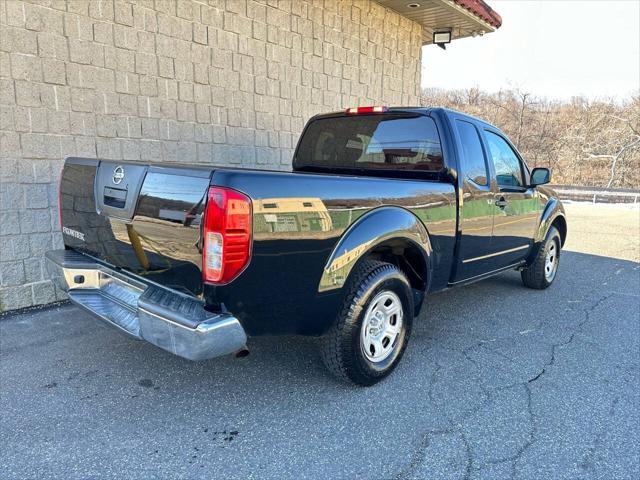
x,y
380,142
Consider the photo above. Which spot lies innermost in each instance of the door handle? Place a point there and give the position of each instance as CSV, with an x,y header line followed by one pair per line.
x,y
501,202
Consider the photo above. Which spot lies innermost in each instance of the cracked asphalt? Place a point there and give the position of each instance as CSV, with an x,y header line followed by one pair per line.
x,y
498,382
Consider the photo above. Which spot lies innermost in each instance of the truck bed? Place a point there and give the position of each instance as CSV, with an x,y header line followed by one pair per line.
x,y
154,231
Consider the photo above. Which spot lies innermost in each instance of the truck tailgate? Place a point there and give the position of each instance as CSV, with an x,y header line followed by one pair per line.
x,y
139,217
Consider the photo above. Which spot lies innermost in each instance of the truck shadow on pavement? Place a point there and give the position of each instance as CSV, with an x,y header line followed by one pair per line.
x,y
497,380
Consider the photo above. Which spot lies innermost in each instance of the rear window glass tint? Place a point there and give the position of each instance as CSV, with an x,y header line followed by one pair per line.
x,y
384,142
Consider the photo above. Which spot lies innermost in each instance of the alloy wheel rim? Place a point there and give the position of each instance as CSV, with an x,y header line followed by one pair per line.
x,y
381,326
551,261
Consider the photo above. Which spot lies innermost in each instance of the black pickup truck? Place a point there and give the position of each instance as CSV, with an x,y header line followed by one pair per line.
x,y
384,206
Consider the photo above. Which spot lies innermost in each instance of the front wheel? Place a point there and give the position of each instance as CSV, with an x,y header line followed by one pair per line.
x,y
542,271
373,327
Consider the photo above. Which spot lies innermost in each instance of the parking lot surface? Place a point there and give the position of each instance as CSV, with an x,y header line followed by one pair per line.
x,y
498,382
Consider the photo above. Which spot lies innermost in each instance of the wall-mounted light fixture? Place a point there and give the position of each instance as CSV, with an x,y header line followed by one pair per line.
x,y
441,38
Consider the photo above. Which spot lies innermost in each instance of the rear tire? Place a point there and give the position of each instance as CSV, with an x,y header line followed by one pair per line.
x,y
373,326
544,268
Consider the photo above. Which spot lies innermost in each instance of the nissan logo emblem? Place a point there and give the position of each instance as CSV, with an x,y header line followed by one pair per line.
x,y
118,174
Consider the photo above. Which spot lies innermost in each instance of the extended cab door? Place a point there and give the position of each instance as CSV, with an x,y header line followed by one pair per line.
x,y
516,206
476,205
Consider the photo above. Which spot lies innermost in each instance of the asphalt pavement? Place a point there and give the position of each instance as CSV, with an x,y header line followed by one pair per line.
x,y
499,381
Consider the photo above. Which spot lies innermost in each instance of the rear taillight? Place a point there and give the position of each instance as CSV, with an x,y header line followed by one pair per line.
x,y
226,236
60,201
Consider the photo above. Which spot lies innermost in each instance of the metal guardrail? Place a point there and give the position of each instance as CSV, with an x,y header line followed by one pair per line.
x,y
597,194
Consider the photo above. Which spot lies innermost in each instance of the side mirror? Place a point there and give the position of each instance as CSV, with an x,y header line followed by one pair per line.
x,y
540,176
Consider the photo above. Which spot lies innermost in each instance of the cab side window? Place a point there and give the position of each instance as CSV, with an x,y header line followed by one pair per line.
x,y
505,161
473,161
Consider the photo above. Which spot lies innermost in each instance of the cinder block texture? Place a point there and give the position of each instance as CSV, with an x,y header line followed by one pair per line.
x,y
193,81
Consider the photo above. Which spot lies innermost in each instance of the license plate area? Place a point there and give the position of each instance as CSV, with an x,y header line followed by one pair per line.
x,y
116,188
115,197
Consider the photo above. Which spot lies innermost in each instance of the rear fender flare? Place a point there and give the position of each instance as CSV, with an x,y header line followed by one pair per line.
x,y
372,229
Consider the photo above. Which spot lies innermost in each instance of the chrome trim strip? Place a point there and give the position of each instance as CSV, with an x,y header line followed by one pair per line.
x,y
219,335
475,259
221,320
92,303
119,300
482,276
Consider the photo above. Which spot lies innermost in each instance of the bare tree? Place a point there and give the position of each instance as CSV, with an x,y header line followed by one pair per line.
x,y
585,142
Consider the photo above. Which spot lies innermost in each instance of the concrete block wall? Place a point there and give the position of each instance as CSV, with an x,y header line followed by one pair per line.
x,y
194,81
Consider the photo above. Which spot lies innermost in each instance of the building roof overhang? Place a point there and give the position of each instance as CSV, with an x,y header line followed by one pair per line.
x,y
464,18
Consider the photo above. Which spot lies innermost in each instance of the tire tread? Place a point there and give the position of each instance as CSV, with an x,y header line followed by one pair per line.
x,y
533,276
330,347
335,344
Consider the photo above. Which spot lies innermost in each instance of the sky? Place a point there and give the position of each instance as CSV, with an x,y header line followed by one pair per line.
x,y
553,48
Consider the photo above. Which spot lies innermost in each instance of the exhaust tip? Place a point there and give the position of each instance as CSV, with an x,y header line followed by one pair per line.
x,y
243,352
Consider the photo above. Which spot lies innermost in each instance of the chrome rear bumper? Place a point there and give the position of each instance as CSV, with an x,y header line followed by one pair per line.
x,y
168,319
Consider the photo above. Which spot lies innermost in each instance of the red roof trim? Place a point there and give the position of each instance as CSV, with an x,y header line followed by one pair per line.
x,y
482,10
